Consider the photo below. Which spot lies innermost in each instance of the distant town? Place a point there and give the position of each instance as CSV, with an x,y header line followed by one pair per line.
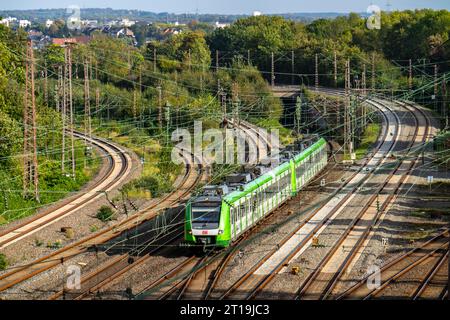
x,y
50,26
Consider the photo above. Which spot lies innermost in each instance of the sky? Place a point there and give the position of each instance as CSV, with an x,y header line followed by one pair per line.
x,y
230,6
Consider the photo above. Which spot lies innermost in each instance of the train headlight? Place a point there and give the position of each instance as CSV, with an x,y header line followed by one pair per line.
x,y
190,232
220,231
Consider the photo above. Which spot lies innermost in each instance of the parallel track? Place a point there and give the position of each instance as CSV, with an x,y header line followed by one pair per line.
x,y
250,284
320,284
119,266
118,168
24,272
399,266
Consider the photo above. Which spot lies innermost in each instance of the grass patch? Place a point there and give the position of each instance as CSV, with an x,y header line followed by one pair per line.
x,y
105,214
53,183
418,235
286,135
158,170
54,245
3,262
369,137
431,213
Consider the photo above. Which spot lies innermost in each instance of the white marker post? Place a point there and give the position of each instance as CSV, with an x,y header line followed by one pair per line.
x,y
430,181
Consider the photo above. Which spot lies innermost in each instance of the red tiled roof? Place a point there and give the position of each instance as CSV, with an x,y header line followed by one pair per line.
x,y
63,41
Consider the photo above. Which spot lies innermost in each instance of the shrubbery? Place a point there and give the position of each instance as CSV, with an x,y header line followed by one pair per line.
x,y
3,262
105,213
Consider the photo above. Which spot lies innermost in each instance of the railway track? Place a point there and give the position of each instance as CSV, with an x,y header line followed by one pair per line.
x,y
321,282
196,277
118,168
120,265
431,279
104,274
435,249
188,280
253,281
25,272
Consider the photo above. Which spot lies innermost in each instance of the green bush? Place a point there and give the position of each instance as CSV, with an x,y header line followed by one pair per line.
x,y
3,262
105,213
156,185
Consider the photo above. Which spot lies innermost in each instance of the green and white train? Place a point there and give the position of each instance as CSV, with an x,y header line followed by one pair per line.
x,y
223,213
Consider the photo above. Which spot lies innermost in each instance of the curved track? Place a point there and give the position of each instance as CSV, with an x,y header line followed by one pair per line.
x,y
253,281
321,282
120,265
22,273
118,169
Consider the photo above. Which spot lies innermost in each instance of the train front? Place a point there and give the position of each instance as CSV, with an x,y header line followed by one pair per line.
x,y
203,217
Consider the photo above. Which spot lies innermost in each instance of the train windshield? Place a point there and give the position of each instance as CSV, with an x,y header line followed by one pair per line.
x,y
205,214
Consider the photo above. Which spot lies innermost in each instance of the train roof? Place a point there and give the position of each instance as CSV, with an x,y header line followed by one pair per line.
x,y
249,187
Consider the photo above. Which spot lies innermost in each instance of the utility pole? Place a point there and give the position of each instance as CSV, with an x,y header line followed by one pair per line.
x,y
46,85
363,81
167,122
140,79
292,67
58,90
223,99
298,114
435,86
97,102
154,60
217,60
69,102
335,69
64,113
273,71
189,59
159,106
364,93
444,101
87,104
235,97
134,110
348,147
373,72
410,75
316,79
30,165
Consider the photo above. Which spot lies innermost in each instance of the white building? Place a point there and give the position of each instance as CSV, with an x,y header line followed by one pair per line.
x,y
8,21
24,23
219,25
257,13
127,23
89,23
